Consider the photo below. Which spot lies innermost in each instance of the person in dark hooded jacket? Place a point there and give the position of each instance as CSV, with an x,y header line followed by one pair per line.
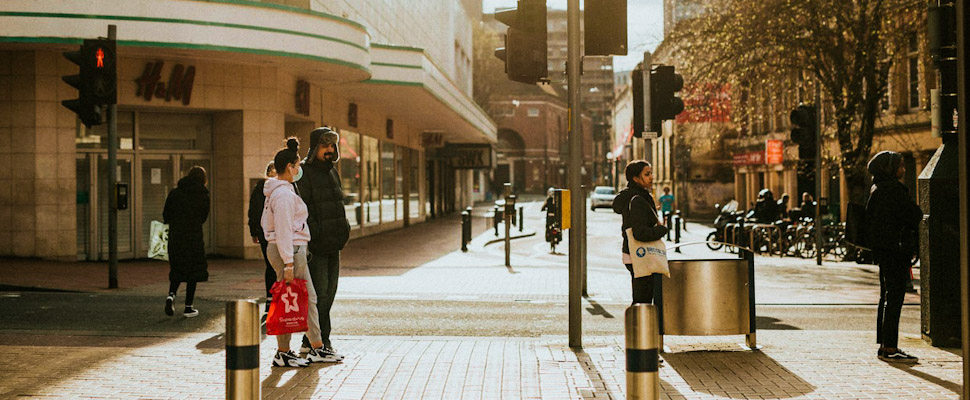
x,y
892,219
639,212
186,209
329,229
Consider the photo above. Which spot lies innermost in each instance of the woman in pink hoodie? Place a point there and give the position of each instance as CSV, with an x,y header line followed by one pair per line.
x,y
284,225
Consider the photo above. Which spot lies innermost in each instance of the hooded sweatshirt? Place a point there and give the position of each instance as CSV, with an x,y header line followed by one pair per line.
x,y
890,213
284,218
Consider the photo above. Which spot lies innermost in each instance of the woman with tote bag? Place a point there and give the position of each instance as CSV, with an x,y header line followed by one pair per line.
x,y
640,220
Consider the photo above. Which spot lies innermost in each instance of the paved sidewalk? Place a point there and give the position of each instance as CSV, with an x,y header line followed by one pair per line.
x,y
791,364
423,262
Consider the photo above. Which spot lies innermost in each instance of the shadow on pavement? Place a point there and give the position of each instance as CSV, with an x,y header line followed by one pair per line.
x,y
951,386
737,374
292,378
772,323
597,309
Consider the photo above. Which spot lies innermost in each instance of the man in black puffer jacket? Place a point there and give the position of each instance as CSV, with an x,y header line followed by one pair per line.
x,y
892,219
329,230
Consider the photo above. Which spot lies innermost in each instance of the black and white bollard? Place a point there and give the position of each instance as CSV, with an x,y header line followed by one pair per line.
x,y
242,350
466,230
642,352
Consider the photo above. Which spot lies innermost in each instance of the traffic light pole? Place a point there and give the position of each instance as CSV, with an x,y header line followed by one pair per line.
x,y
576,234
112,182
963,89
818,175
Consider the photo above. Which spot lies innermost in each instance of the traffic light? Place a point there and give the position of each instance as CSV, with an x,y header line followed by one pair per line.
x,y
604,27
803,131
96,81
639,110
664,103
524,53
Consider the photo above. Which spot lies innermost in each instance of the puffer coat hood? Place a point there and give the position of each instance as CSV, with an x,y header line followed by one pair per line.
x,y
322,136
883,166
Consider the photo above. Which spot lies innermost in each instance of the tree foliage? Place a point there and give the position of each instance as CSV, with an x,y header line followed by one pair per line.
x,y
846,47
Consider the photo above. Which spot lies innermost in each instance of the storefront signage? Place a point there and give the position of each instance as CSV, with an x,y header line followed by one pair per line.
x,y
432,139
751,158
178,87
352,115
470,156
303,97
774,152
390,128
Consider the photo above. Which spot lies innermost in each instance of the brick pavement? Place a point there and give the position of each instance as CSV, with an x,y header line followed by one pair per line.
x,y
791,364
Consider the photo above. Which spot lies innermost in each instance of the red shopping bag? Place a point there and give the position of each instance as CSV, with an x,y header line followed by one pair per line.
x,y
288,311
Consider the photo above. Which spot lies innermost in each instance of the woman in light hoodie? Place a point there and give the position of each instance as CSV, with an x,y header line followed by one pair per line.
x,y
287,235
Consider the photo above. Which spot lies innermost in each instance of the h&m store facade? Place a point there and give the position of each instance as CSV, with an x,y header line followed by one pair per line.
x,y
218,84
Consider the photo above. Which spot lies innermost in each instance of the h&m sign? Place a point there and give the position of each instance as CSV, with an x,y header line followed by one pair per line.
x,y
469,156
178,87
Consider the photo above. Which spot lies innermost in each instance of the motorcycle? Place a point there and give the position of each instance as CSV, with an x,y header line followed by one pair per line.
x,y
727,214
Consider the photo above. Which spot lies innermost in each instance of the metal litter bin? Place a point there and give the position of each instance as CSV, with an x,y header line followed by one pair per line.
x,y
708,298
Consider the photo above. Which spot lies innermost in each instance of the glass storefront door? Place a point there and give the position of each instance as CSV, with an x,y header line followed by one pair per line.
x,y
157,179
125,217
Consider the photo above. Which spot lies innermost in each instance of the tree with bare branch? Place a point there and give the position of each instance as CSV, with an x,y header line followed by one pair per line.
x,y
846,47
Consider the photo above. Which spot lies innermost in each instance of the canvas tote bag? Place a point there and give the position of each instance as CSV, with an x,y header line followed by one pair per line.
x,y
648,257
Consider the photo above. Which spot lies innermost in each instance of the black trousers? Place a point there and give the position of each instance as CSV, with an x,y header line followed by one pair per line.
x,y
893,277
642,287
270,273
173,287
324,271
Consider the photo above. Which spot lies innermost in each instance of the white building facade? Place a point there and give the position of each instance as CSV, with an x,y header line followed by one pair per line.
x,y
221,83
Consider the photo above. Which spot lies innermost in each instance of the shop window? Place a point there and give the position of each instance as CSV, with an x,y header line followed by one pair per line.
x,y
399,171
349,165
371,191
388,208
169,131
414,195
97,136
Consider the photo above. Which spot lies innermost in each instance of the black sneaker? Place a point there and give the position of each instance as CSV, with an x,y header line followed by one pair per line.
x,y
170,305
190,312
897,357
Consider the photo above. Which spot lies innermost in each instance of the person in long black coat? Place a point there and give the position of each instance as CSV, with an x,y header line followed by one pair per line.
x,y
186,209
892,219
639,212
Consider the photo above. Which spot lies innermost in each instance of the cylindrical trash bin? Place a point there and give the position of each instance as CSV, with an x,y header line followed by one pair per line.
x,y
642,352
242,350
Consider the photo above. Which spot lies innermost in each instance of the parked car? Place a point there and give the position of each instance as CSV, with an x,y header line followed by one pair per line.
x,y
602,196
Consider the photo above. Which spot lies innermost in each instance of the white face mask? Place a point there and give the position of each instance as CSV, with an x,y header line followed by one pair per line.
x,y
299,174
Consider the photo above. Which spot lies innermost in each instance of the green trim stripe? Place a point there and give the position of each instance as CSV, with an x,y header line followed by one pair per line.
x,y
396,47
190,46
397,65
178,21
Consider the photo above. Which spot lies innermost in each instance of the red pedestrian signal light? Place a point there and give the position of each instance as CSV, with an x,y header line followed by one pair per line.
x,y
96,81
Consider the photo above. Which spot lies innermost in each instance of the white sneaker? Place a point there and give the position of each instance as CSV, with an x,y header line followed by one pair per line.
x,y
332,353
289,359
190,312
320,356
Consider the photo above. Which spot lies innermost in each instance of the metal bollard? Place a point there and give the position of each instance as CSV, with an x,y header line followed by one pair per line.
x,y
642,352
667,222
495,220
242,350
509,215
466,221
677,223
521,218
